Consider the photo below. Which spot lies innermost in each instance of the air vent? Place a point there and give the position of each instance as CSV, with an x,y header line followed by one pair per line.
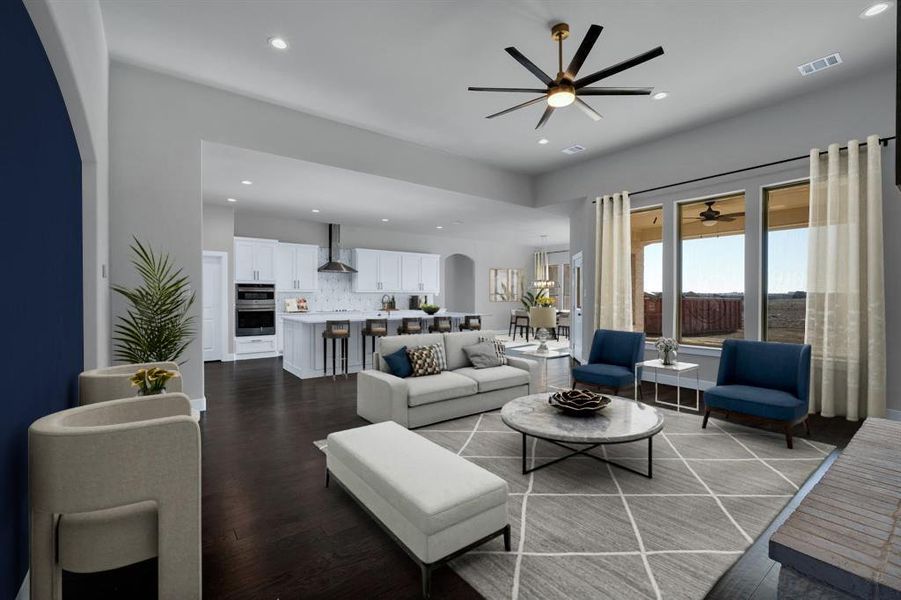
x,y
820,64
574,149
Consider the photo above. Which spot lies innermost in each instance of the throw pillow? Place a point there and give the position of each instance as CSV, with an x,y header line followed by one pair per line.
x,y
440,356
498,346
482,355
424,361
399,363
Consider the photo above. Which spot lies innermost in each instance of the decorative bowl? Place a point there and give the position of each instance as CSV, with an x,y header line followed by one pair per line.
x,y
578,403
430,309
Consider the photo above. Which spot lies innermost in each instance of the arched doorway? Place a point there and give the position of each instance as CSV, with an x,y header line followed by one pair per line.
x,y
460,283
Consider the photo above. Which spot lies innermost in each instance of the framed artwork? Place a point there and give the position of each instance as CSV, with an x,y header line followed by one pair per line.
x,y
505,285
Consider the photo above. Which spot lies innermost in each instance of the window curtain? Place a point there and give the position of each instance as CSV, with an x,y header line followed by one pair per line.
x,y
613,263
845,319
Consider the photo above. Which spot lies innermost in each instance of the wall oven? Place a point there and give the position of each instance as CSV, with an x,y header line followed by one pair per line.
x,y
254,309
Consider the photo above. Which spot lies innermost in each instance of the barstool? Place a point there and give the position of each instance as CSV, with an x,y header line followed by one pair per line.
x,y
374,328
440,325
335,330
410,326
471,323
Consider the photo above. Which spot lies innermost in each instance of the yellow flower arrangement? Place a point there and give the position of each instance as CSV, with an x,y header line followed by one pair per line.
x,y
545,301
152,381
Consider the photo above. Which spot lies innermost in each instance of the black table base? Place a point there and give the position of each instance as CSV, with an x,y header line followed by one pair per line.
x,y
585,452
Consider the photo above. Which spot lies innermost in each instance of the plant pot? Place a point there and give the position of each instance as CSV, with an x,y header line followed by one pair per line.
x,y
669,357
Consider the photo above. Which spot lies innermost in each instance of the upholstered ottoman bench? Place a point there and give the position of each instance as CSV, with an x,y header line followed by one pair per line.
x,y
435,504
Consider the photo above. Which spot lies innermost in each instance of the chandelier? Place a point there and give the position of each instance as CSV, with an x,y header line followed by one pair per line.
x,y
542,267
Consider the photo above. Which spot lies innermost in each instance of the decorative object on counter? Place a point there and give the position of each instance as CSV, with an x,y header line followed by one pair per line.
x,y
505,285
578,403
666,350
388,303
441,325
152,381
543,318
429,309
296,305
471,323
157,326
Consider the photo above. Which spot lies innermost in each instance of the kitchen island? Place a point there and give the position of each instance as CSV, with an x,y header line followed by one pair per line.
x,y
302,355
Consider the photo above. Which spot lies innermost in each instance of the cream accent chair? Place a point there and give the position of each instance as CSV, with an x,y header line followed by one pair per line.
x,y
112,383
113,484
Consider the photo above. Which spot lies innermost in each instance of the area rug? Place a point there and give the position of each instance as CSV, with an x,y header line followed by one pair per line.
x,y
583,529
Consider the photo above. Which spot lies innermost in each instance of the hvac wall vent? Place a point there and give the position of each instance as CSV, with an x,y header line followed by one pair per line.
x,y
574,149
820,64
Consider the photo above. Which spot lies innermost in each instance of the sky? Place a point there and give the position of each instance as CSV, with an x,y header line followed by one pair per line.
x,y
717,265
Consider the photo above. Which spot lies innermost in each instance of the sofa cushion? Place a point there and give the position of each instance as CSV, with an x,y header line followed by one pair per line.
x,y
496,378
392,343
482,355
609,375
435,388
430,486
399,363
453,346
424,361
759,402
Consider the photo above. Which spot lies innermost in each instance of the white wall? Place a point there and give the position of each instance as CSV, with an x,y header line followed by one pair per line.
x,y
219,235
73,37
849,111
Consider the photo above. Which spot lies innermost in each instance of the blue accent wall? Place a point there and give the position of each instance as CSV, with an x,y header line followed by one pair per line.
x,y
40,253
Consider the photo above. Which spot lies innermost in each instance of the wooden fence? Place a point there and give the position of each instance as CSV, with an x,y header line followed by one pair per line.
x,y
701,315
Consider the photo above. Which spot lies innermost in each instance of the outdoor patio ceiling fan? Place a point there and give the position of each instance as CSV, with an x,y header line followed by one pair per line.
x,y
565,89
710,217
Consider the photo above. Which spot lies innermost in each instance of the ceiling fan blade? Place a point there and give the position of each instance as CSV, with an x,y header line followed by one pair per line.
x,y
547,115
725,219
517,107
584,49
492,89
612,91
617,68
595,115
529,65
735,214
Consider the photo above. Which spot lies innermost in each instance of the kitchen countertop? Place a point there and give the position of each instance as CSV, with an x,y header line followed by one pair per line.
x,y
360,316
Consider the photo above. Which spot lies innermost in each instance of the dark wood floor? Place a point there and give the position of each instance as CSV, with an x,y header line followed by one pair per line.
x,y
270,527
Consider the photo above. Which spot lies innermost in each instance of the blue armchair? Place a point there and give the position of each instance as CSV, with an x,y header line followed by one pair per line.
x,y
612,360
767,380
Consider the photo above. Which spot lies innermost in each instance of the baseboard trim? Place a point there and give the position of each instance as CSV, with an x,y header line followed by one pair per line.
x,y
199,404
229,357
25,588
893,414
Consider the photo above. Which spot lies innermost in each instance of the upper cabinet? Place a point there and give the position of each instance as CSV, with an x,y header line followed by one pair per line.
x,y
296,268
255,260
387,271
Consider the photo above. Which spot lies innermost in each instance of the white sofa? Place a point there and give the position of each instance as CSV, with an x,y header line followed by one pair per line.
x,y
461,390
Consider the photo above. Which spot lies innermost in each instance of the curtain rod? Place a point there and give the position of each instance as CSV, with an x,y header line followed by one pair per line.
x,y
882,142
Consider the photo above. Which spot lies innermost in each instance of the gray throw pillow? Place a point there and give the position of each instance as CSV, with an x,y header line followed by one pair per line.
x,y
482,355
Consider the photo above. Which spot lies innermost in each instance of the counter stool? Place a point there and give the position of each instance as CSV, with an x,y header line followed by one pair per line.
x,y
410,326
440,325
374,328
471,323
335,330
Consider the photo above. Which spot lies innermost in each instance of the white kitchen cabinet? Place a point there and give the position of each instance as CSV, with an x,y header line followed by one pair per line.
x,y
366,279
391,272
296,268
255,260
430,274
420,273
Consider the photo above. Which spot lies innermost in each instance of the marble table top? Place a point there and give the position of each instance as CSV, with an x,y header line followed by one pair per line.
x,y
622,420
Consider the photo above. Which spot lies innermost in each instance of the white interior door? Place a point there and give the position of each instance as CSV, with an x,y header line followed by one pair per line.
x,y
214,294
575,334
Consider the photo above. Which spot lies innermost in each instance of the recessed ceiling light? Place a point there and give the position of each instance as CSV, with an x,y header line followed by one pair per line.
x,y
231,199
385,220
660,95
315,210
247,182
439,226
278,43
875,9
543,141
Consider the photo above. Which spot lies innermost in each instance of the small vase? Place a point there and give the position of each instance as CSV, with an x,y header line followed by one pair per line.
x,y
151,392
669,357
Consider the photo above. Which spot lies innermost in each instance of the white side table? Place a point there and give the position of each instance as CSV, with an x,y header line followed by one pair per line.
x,y
544,356
677,368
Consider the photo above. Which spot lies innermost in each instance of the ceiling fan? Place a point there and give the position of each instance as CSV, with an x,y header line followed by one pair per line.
x,y
565,89
710,217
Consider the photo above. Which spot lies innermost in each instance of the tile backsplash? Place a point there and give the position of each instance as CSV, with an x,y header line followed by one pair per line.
x,y
336,292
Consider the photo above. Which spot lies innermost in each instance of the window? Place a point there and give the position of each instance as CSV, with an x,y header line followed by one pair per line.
x,y
560,275
647,271
711,270
785,252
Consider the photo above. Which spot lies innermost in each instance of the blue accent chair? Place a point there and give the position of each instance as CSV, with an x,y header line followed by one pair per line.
x,y
766,380
612,360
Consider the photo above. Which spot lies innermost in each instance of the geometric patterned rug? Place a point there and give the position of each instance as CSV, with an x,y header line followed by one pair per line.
x,y
583,529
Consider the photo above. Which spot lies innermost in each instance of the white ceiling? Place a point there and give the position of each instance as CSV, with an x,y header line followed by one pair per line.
x,y
402,67
286,187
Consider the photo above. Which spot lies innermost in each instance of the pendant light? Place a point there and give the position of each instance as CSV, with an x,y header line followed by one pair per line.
x,y
542,276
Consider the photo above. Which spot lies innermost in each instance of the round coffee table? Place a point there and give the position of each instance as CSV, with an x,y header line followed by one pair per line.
x,y
621,421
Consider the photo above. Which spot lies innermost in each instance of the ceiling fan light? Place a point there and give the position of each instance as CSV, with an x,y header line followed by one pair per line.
x,y
562,95
708,222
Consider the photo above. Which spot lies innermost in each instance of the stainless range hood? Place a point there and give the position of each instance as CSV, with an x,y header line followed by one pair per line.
x,y
334,252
